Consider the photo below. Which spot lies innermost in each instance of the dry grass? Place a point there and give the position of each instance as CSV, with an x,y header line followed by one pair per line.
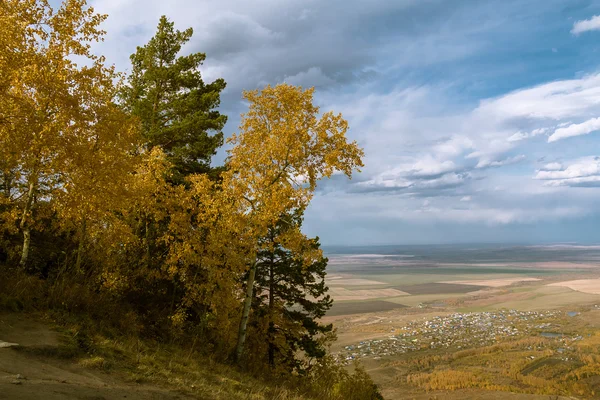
x,y
99,334
591,286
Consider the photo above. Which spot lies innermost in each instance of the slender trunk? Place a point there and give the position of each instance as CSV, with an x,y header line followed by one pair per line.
x,y
24,225
271,332
245,313
82,233
7,180
26,246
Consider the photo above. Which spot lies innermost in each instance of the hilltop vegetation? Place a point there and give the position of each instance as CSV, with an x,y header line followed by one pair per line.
x,y
112,213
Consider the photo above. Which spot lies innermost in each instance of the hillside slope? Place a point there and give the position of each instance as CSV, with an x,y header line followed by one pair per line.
x,y
41,366
48,364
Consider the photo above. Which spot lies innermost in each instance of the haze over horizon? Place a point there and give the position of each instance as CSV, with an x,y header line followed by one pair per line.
x,y
479,132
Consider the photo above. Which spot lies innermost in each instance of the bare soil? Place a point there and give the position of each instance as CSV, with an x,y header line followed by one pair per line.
x,y
26,373
591,286
340,308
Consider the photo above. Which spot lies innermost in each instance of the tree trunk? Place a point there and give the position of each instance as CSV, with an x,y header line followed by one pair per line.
x,y
24,225
82,233
26,246
7,183
245,313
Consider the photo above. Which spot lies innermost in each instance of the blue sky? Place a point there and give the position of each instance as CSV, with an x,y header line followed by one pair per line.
x,y
478,118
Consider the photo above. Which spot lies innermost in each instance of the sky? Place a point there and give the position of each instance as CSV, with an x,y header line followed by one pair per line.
x,y
479,119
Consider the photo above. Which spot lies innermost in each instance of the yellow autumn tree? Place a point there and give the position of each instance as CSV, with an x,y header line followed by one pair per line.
x,y
95,181
214,236
58,110
15,50
118,247
283,149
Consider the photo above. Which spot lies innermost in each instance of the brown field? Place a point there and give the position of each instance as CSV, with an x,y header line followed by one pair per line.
x,y
547,265
362,307
343,294
341,281
591,286
438,288
368,260
493,282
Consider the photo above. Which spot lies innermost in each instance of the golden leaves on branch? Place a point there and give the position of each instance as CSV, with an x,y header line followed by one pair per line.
x,y
283,150
63,141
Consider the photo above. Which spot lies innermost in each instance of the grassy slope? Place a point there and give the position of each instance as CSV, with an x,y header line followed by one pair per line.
x,y
84,363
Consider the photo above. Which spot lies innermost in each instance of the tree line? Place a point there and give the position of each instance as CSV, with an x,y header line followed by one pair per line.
x,y
106,180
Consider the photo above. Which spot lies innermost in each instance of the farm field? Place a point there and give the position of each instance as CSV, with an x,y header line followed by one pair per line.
x,y
510,325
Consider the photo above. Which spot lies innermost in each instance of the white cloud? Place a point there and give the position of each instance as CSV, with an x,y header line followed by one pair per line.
x,y
400,183
454,146
487,160
592,24
518,136
586,181
539,131
428,166
420,137
500,163
550,101
526,135
421,141
385,181
554,166
583,172
583,167
583,128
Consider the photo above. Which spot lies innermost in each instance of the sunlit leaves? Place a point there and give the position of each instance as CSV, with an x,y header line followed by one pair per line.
x,y
62,140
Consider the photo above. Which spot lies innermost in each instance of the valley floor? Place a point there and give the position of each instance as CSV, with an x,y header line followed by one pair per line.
x,y
486,331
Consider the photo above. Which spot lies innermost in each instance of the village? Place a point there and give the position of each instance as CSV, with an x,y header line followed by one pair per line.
x,y
458,330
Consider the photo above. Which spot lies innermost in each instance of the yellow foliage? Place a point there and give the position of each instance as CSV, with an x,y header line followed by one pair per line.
x,y
282,151
62,139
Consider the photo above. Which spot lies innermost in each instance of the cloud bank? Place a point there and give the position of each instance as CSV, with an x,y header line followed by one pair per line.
x,y
477,118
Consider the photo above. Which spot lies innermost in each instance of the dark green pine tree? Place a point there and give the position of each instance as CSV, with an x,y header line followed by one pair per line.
x,y
176,108
291,297
178,113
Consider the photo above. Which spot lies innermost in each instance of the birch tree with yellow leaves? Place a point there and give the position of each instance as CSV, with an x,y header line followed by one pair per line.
x,y
54,111
283,150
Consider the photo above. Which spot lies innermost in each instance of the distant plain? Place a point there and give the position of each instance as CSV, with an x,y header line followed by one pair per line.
x,y
378,289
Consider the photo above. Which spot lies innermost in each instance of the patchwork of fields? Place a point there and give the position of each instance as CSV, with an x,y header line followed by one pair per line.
x,y
378,294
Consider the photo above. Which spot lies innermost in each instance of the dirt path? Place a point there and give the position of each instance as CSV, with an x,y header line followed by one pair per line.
x,y
25,376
